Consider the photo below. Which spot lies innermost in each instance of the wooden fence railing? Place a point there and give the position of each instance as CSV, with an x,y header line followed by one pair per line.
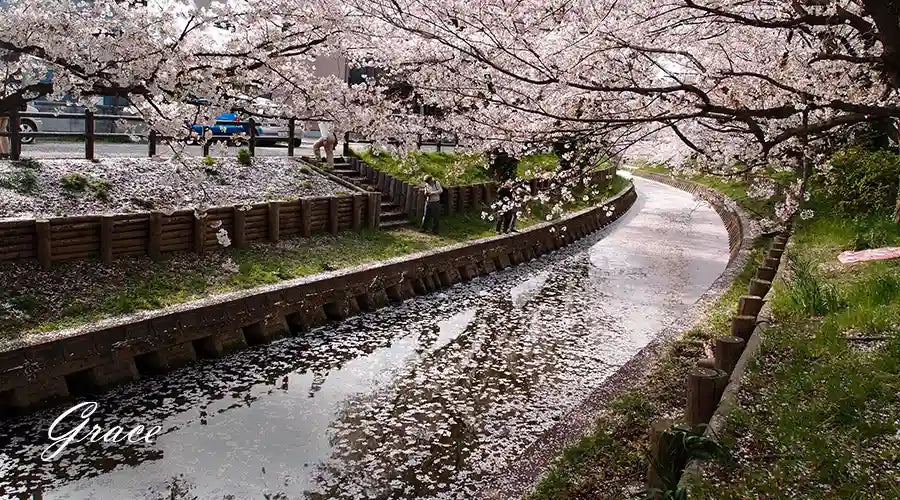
x,y
156,233
90,136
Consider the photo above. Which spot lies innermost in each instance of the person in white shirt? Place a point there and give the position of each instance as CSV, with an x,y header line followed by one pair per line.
x,y
433,192
328,140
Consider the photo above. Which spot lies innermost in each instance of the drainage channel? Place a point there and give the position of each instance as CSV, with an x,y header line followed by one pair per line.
x,y
423,400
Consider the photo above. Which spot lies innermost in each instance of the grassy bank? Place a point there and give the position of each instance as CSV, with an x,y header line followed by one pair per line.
x,y
79,292
74,293
819,413
451,168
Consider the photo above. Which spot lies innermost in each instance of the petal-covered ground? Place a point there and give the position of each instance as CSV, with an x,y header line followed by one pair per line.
x,y
426,400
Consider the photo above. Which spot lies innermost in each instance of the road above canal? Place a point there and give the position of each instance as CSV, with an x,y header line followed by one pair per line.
x,y
424,400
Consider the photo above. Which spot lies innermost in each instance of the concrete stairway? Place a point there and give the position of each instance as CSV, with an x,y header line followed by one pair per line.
x,y
392,215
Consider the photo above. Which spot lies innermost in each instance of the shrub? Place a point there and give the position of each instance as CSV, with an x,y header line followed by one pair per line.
x,y
209,161
74,182
874,231
243,157
100,188
22,179
859,181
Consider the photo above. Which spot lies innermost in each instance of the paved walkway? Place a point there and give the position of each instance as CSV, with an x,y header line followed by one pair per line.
x,y
424,400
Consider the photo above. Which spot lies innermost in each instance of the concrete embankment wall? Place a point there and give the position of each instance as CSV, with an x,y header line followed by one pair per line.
x,y
42,369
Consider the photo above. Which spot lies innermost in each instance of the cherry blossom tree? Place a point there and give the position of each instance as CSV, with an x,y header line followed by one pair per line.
x,y
164,55
733,85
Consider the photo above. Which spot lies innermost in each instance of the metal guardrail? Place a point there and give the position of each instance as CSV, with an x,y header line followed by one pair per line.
x,y
90,135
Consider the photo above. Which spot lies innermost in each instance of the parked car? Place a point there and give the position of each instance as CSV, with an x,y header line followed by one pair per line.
x,y
28,124
229,129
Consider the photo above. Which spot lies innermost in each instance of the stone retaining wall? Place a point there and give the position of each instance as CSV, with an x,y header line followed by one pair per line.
x,y
41,369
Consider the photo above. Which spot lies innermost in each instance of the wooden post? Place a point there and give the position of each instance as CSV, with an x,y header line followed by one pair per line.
x,y
359,201
89,134
775,253
346,143
662,467
374,210
292,126
199,234
206,144
106,238
274,221
240,227
15,135
333,215
155,235
766,273
305,221
439,144
151,143
750,305
44,250
728,350
252,142
759,287
704,388
743,326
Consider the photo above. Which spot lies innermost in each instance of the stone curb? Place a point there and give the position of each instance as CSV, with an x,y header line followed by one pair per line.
x,y
39,369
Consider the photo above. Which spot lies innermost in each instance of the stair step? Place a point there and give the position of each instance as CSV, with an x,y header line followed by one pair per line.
x,y
392,213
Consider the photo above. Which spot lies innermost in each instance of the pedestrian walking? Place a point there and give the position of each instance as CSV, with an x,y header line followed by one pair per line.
x,y
433,192
328,140
506,216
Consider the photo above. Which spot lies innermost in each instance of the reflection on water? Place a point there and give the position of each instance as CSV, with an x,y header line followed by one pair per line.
x,y
422,400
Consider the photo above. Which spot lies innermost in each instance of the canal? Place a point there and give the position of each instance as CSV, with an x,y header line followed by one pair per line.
x,y
427,399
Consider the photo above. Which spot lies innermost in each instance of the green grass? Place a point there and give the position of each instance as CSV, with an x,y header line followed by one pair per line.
x,y
819,412
22,177
82,296
612,458
448,168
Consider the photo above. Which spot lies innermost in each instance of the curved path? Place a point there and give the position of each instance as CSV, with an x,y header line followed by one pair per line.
x,y
426,399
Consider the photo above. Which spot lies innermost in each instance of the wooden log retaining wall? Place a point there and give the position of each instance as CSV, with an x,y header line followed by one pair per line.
x,y
454,199
155,233
42,369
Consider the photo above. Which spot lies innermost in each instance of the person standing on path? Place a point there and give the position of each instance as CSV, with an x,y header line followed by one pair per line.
x,y
433,192
328,139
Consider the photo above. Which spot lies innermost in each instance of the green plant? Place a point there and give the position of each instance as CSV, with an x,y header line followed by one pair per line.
x,y
22,181
807,293
100,188
209,161
243,157
859,181
305,170
684,444
74,182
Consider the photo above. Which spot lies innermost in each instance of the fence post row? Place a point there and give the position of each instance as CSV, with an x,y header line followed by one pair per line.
x,y
89,134
292,124
15,137
252,142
